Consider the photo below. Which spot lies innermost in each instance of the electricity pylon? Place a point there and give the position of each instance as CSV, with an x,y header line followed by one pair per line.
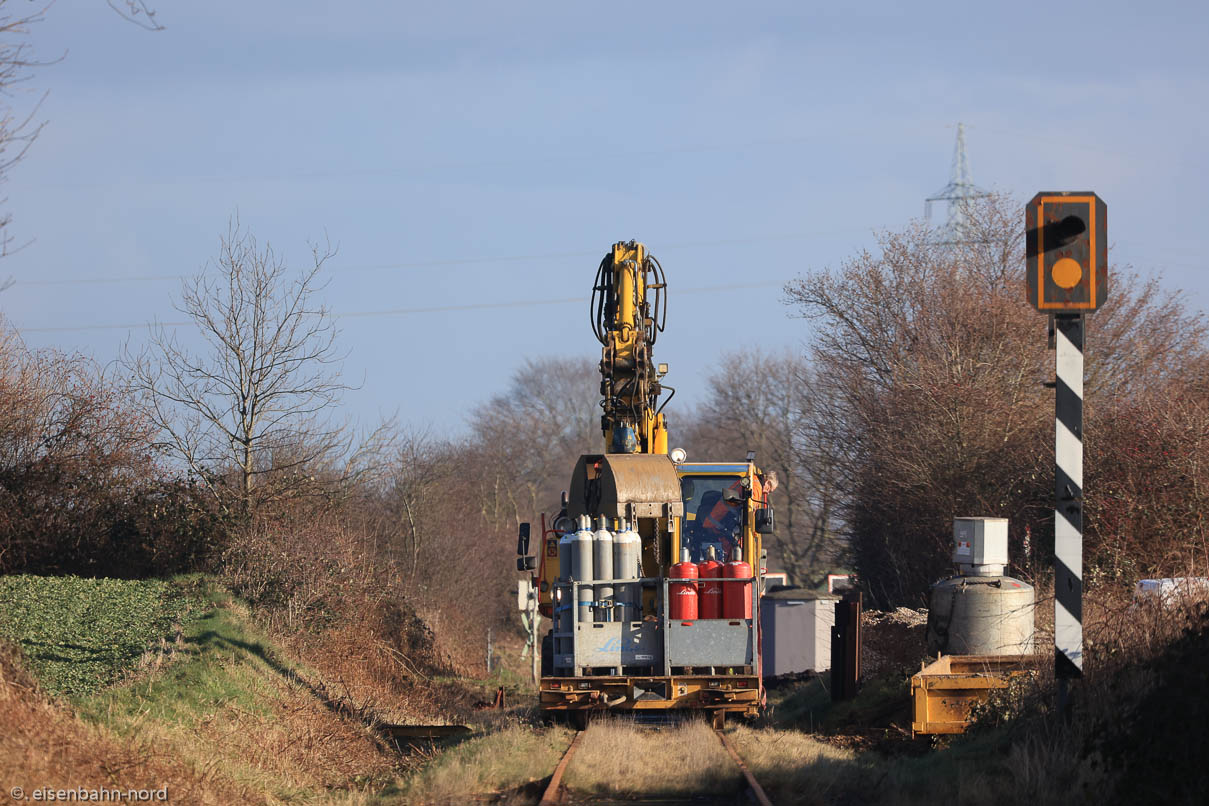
x,y
959,194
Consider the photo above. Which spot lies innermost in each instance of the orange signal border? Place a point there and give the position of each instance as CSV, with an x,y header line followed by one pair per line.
x,y
1091,252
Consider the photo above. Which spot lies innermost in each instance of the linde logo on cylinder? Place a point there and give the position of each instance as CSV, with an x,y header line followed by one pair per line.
x,y
683,594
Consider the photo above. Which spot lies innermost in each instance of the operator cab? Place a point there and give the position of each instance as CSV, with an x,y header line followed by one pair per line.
x,y
713,515
725,507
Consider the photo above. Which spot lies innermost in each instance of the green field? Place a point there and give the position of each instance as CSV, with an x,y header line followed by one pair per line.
x,y
80,635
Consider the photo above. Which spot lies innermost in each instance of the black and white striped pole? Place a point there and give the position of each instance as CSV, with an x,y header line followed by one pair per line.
x,y
1068,496
1067,271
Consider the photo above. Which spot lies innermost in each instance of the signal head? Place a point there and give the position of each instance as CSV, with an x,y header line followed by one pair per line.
x,y
1067,251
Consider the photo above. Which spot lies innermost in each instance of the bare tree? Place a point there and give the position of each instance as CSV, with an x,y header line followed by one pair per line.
x,y
933,368
252,404
73,454
766,403
17,131
534,432
417,501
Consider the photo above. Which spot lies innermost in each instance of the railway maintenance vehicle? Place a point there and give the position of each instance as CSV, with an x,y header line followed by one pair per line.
x,y
651,571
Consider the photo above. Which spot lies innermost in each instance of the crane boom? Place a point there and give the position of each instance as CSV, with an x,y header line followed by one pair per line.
x,y
629,310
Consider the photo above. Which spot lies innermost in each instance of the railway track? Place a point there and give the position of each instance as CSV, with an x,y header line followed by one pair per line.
x,y
556,793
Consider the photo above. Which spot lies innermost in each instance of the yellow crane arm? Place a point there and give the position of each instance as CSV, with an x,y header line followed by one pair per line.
x,y
628,310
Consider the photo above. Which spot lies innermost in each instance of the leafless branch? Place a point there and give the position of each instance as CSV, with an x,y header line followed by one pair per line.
x,y
137,12
17,131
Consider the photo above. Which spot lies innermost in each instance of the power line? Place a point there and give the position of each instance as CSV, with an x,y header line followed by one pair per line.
x,y
478,306
437,263
593,157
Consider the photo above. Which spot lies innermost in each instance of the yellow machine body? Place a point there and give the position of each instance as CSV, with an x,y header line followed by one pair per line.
x,y
635,482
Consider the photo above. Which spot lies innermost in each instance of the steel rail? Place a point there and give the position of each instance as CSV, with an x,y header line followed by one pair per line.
x,y
552,797
756,789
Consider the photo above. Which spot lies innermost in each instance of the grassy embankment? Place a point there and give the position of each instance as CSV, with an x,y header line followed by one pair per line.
x,y
80,635
134,684
172,677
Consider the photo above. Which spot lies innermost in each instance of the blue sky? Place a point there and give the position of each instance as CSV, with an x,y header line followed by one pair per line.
x,y
463,154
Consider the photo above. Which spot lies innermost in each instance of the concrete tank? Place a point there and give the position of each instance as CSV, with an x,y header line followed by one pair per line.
x,y
981,615
627,551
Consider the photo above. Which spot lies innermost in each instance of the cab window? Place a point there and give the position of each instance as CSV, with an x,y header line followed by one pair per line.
x,y
713,516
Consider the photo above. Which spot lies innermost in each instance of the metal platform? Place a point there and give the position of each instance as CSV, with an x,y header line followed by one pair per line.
x,y
730,693
657,646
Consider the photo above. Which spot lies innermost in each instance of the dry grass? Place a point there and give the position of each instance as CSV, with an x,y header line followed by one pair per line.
x,y
1036,769
498,764
616,757
231,701
795,768
369,673
43,745
293,750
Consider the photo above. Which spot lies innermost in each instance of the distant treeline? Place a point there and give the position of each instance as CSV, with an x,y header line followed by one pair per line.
x,y
920,397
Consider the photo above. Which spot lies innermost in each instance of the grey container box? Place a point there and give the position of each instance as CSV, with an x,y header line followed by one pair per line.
x,y
980,545
710,642
797,631
614,644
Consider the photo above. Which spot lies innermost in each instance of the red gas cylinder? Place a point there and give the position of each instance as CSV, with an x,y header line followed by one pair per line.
x,y
736,598
711,592
683,595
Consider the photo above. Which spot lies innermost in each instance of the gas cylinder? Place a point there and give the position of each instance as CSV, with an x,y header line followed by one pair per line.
x,y
683,606
582,564
627,548
711,592
602,544
736,598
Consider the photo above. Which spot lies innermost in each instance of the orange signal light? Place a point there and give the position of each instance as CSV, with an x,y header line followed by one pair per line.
x,y
1067,272
1067,251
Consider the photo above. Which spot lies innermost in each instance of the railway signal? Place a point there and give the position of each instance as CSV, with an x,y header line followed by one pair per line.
x,y
1066,237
